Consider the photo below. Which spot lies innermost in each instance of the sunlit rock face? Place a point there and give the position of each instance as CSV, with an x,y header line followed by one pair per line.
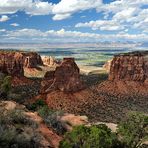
x,y
66,77
107,65
13,62
130,67
50,61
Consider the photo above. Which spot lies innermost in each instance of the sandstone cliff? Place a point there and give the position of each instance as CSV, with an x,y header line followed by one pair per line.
x,y
50,61
32,59
130,67
13,62
65,78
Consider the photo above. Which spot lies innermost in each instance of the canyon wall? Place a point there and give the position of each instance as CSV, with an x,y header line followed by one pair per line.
x,y
50,61
130,67
32,59
13,62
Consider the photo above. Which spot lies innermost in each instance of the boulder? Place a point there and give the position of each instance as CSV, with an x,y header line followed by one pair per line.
x,y
66,77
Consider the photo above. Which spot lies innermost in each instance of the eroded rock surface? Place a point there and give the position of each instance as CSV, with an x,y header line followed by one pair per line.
x,y
66,77
50,61
32,59
131,67
13,62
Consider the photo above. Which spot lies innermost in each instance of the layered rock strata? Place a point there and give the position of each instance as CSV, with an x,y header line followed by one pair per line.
x,y
11,63
32,59
66,77
14,62
130,67
50,61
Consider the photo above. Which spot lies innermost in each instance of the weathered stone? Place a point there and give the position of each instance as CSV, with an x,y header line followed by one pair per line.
x,y
131,67
107,65
13,62
49,75
50,61
32,59
66,77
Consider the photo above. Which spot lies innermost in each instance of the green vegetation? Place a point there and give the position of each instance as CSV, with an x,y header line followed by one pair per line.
x,y
133,130
16,130
36,105
132,133
50,117
96,136
5,85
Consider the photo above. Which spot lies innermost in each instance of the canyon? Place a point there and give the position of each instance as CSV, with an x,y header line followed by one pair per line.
x,y
69,100
63,88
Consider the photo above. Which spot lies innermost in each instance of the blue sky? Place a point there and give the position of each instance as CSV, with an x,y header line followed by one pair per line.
x,y
73,20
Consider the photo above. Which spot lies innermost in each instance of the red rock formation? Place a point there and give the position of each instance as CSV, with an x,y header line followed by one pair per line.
x,y
66,77
50,61
32,59
13,62
107,65
130,67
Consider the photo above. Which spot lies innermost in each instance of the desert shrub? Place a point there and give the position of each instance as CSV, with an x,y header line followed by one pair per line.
x,y
16,130
16,117
45,111
96,136
49,116
13,137
5,86
51,119
36,105
133,130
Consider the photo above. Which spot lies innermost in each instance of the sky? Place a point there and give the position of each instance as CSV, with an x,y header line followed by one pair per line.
x,y
54,21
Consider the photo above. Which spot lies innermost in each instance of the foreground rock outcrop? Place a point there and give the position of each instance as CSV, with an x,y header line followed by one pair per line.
x,y
130,67
14,62
66,77
29,129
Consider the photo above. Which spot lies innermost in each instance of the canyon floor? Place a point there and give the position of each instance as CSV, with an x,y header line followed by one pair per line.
x,y
100,101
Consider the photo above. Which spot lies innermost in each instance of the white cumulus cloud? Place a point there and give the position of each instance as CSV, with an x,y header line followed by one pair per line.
x,y
15,24
101,25
4,18
63,35
65,8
